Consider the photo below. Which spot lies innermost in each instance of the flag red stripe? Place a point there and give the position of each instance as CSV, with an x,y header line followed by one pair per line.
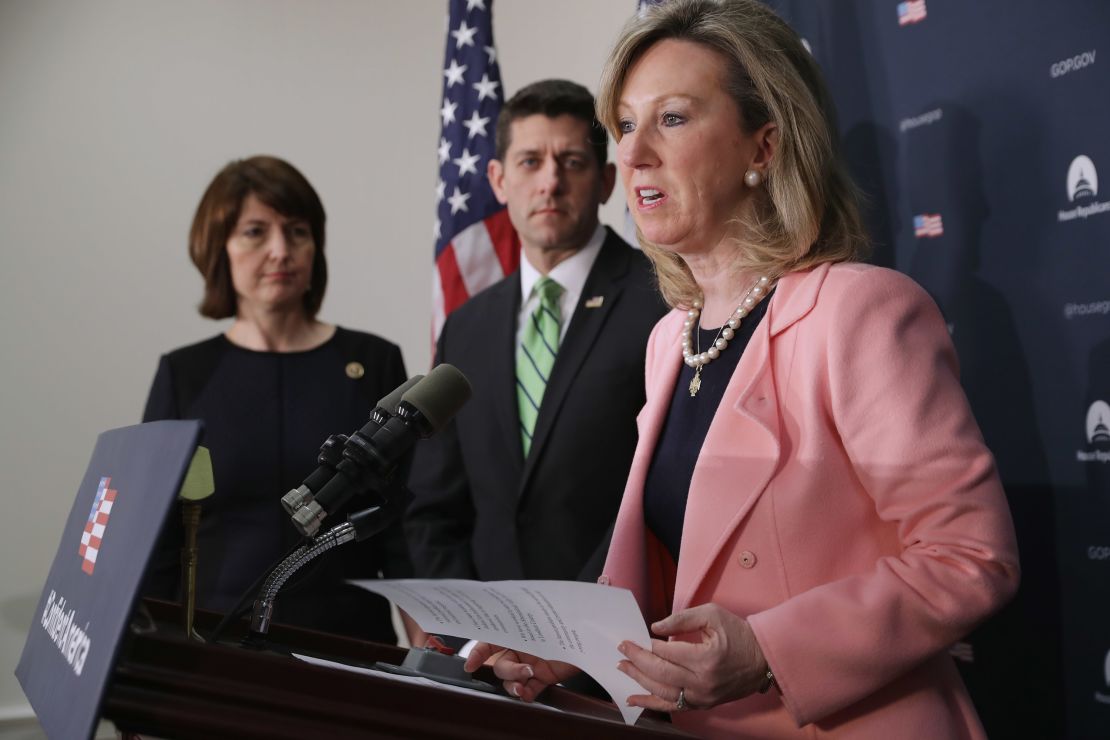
x,y
450,280
506,242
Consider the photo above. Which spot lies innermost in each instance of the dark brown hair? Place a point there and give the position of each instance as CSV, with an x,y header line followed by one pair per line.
x,y
552,98
279,185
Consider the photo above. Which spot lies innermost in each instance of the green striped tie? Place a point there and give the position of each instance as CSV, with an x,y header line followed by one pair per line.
x,y
536,356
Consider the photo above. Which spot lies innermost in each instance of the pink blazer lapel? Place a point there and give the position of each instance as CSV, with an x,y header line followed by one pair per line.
x,y
744,437
628,557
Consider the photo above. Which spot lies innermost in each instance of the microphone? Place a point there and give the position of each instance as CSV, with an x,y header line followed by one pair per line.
x,y
371,454
331,452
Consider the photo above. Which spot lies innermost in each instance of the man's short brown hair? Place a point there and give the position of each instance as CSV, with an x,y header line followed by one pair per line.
x,y
552,98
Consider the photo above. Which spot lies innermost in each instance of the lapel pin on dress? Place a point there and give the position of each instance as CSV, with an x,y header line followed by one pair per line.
x,y
355,370
595,302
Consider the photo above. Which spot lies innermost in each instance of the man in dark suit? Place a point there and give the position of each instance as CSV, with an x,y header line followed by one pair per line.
x,y
526,481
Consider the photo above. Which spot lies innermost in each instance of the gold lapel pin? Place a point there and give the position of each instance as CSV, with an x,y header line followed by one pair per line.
x,y
355,370
595,302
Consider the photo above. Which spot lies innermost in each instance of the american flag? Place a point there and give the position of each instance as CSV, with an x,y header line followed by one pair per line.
x,y
911,11
928,224
94,527
476,244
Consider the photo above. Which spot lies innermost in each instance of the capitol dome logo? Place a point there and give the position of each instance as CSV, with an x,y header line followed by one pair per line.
x,y
1082,178
1098,435
1098,423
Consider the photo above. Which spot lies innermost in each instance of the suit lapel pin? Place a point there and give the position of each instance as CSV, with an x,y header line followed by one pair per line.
x,y
595,302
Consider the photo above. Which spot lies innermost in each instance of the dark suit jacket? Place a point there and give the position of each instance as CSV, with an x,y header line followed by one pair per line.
x,y
481,510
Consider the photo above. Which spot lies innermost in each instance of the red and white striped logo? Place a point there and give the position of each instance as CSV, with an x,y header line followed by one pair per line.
x,y
911,11
95,526
928,225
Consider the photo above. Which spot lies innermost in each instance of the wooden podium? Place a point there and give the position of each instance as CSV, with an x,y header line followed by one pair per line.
x,y
171,687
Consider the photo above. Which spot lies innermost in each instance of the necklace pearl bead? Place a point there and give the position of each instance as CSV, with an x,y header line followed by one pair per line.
x,y
727,332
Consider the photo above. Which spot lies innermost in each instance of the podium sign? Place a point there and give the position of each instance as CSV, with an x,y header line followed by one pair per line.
x,y
131,482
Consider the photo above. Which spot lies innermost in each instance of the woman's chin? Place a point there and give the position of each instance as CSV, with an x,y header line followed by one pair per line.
x,y
662,238
667,242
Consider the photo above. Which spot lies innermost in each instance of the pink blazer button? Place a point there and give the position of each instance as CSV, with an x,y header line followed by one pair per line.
x,y
603,580
747,559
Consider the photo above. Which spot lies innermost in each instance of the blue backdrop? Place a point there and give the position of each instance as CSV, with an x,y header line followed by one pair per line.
x,y
978,132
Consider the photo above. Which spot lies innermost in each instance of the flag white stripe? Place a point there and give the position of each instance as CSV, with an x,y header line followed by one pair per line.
x,y
439,313
476,257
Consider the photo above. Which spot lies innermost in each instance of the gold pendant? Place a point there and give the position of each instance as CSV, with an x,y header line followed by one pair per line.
x,y
695,384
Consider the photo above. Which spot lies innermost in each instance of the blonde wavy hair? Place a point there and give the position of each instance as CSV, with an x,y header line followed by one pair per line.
x,y
807,213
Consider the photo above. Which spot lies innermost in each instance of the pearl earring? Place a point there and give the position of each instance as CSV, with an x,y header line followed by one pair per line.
x,y
752,178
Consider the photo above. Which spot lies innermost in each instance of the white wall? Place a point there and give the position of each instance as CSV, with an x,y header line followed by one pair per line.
x,y
114,116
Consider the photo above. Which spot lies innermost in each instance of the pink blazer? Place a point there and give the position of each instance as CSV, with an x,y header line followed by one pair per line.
x,y
843,502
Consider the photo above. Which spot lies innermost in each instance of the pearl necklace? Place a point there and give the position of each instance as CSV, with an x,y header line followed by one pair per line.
x,y
698,359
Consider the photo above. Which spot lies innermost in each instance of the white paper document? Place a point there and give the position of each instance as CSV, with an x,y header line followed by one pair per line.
x,y
577,623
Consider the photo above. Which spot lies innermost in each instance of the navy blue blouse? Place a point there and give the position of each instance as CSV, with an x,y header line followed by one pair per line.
x,y
687,423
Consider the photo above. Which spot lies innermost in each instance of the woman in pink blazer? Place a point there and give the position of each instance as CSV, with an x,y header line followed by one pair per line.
x,y
811,517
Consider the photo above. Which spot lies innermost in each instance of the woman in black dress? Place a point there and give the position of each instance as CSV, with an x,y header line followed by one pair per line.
x,y
270,390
